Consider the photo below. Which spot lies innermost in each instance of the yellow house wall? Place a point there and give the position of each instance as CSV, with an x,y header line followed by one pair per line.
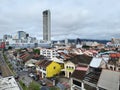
x,y
51,71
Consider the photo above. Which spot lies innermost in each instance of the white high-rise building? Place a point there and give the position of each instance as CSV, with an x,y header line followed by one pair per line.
x,y
21,35
47,26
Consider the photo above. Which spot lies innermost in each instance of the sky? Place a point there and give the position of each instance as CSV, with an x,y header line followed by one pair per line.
x,y
88,19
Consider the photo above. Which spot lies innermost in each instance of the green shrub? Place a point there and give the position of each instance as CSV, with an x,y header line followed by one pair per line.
x,y
34,86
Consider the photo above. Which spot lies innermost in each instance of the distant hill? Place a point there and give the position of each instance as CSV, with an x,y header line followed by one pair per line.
x,y
74,40
99,41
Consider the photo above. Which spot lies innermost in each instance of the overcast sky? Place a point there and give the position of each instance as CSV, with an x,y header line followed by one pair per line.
x,y
94,19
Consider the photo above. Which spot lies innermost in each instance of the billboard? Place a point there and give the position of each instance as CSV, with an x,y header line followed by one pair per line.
x,y
2,44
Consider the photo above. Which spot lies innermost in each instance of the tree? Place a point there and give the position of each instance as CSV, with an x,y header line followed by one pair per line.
x,y
36,51
9,47
86,47
34,86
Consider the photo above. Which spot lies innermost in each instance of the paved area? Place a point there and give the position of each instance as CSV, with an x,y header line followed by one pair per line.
x,y
23,76
25,79
65,82
4,67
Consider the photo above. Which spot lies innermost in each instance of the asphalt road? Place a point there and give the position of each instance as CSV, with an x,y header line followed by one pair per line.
x,y
4,67
23,75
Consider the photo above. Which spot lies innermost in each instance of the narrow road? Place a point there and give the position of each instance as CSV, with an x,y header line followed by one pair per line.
x,y
4,67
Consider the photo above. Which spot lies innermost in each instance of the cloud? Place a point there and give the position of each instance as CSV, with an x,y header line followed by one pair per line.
x,y
96,19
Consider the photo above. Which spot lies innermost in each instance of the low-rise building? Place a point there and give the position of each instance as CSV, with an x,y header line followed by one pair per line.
x,y
49,53
77,77
8,83
95,79
30,63
98,62
69,67
47,68
71,63
85,79
114,62
109,80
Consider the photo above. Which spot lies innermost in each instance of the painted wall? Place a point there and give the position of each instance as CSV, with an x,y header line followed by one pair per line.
x,y
53,69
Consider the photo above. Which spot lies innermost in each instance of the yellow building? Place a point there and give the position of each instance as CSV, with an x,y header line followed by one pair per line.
x,y
52,69
48,69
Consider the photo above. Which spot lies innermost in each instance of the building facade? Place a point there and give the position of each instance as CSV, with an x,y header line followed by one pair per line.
x,y
21,35
48,53
46,25
46,68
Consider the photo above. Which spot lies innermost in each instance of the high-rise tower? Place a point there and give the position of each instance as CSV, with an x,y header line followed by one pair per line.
x,y
46,25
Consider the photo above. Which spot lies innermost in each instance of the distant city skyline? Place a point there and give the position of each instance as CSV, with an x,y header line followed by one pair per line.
x,y
89,19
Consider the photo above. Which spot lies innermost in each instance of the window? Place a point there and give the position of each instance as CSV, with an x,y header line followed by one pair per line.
x,y
66,66
69,67
44,69
111,67
61,66
44,75
54,67
119,69
114,68
77,83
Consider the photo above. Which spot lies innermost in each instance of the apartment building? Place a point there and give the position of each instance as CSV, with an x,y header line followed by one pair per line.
x,y
48,53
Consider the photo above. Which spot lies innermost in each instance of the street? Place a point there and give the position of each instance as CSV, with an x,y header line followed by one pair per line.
x,y
18,69
4,67
24,76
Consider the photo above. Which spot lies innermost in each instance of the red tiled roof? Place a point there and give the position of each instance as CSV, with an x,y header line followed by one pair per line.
x,y
82,67
67,56
36,55
115,55
84,59
93,76
24,55
44,63
78,74
26,58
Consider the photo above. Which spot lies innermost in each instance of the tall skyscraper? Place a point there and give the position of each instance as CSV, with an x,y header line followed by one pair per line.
x,y
46,25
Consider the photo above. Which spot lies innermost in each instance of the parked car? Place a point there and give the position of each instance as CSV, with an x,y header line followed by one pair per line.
x,y
25,69
16,76
44,88
31,75
35,78
42,82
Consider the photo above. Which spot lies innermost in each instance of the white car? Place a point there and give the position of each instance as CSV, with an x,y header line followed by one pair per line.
x,y
42,82
31,75
25,69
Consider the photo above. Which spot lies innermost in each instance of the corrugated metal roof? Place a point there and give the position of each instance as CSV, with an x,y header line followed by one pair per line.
x,y
109,80
95,62
78,74
8,83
